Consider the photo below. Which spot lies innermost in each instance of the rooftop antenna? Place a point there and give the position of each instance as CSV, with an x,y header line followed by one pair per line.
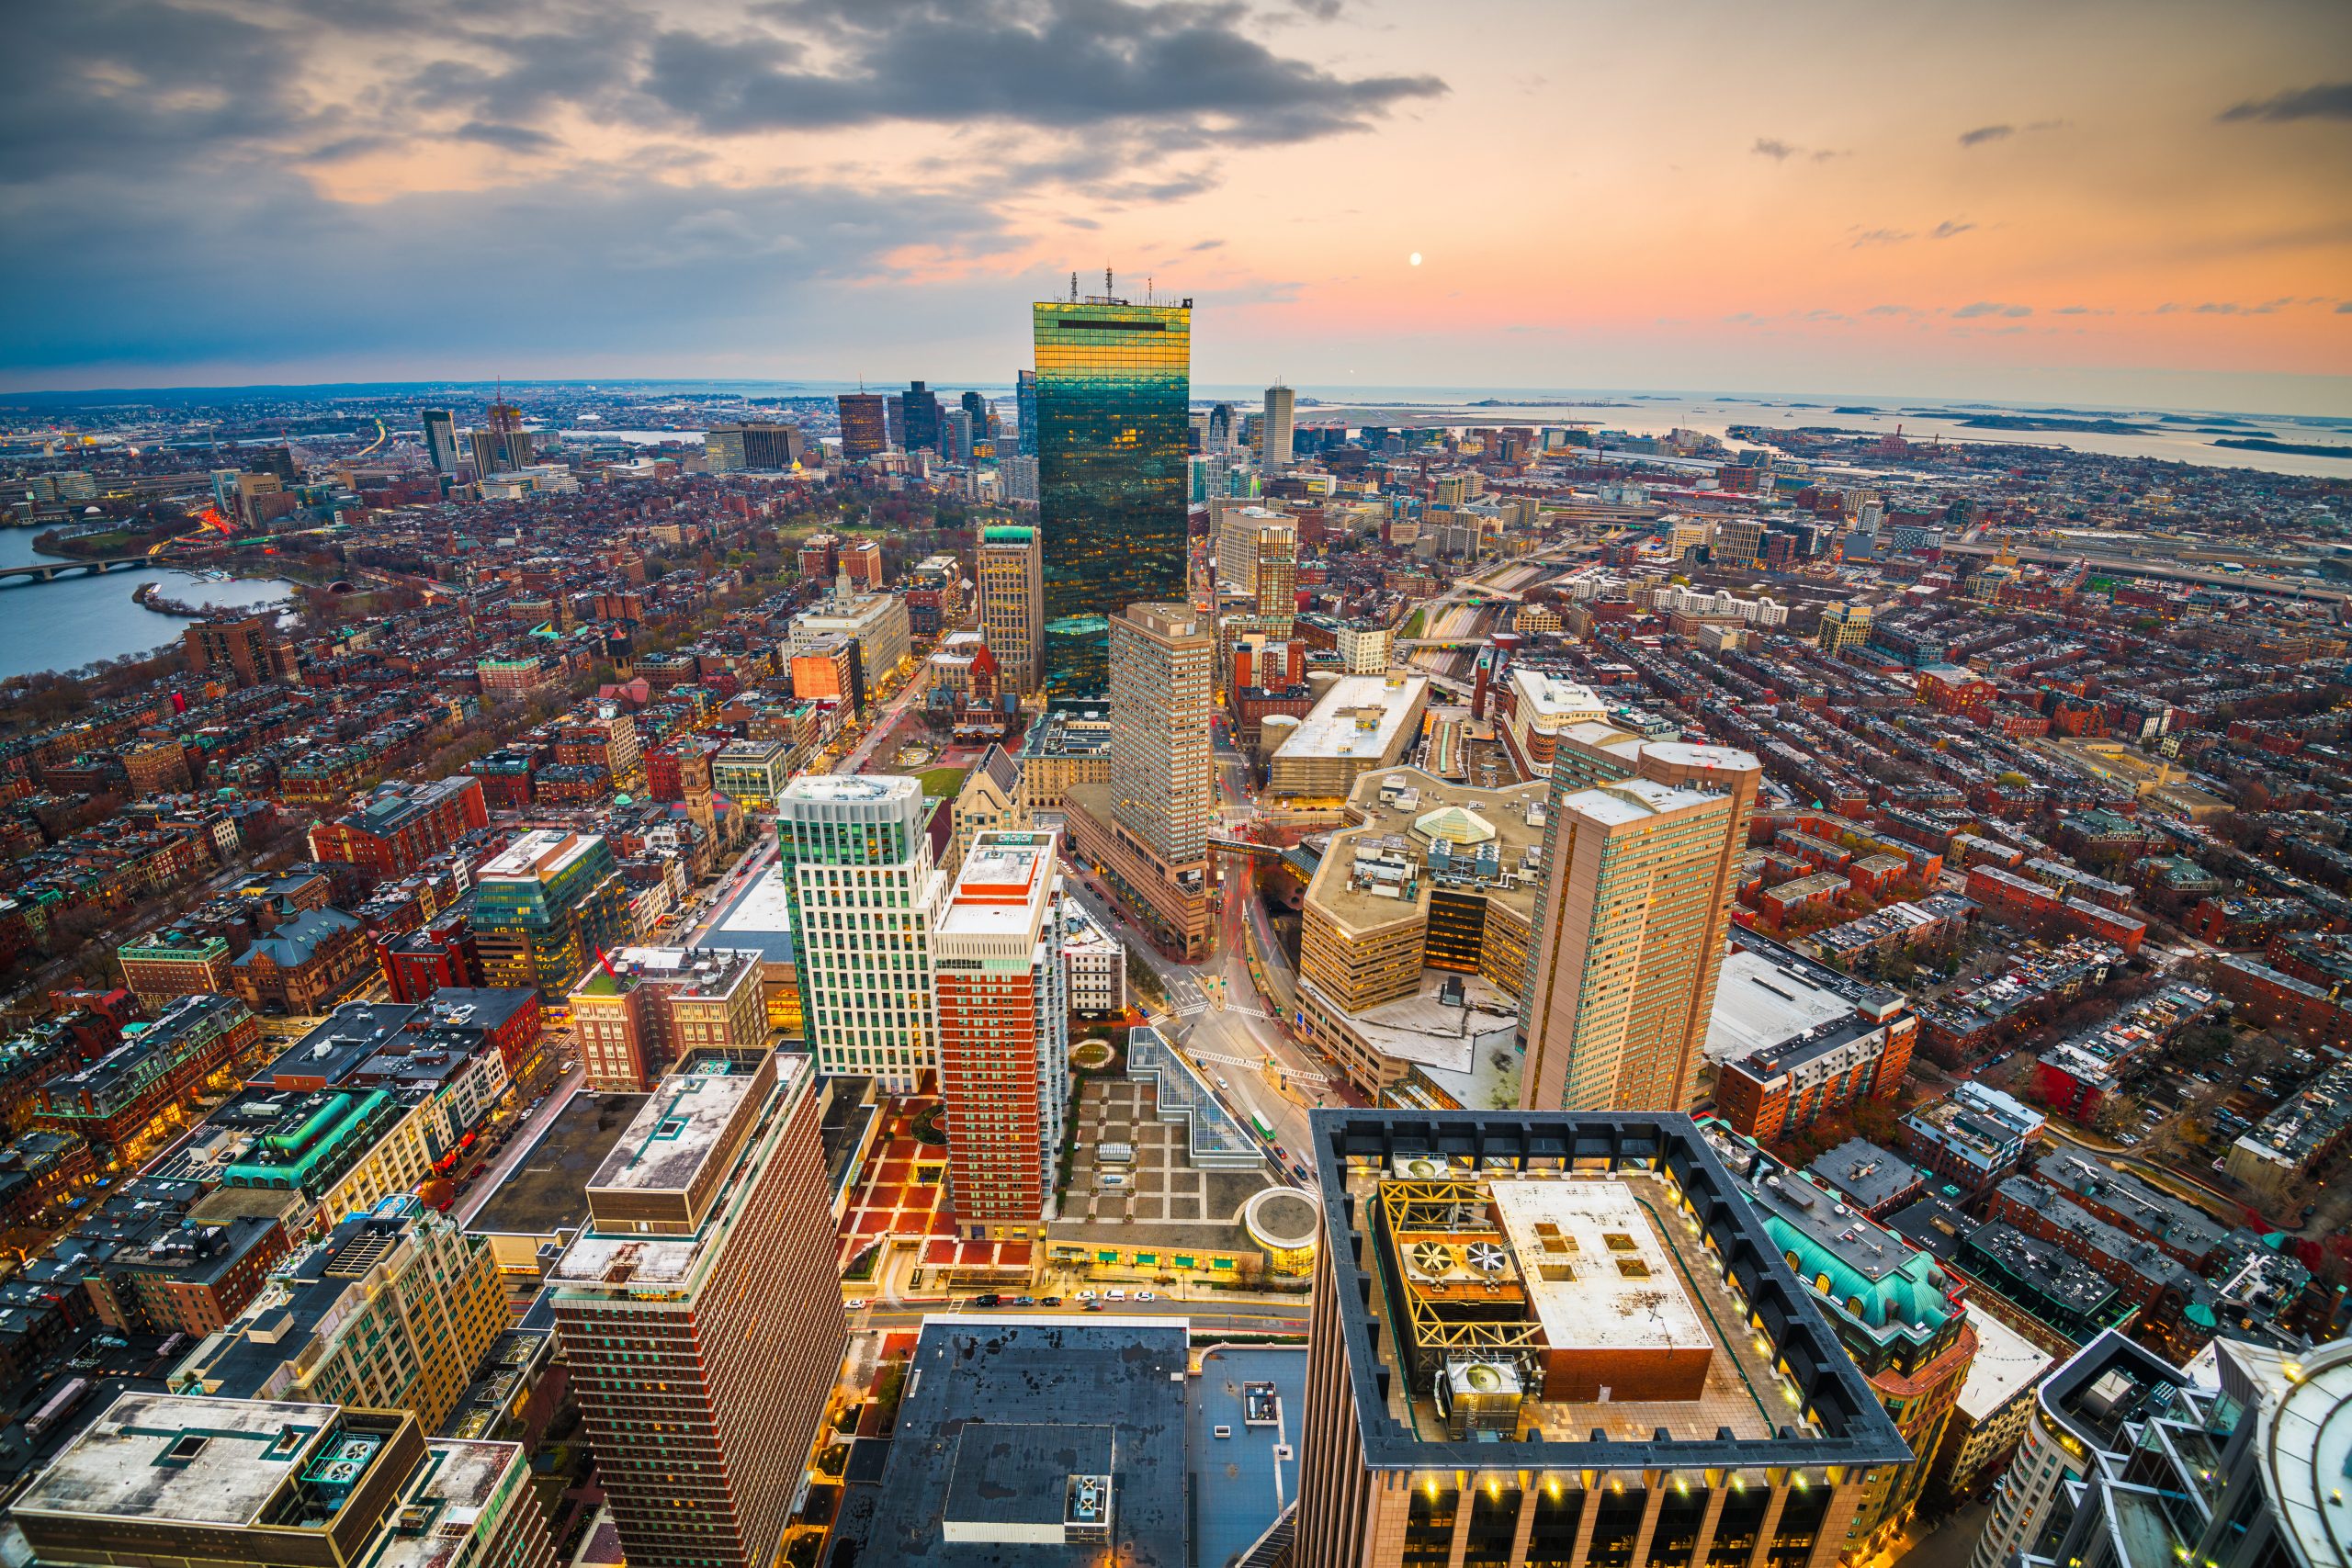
x,y
1107,289
1073,289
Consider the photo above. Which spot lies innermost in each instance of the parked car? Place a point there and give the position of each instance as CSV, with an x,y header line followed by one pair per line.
x,y
1115,1295
855,1304
988,1300
1146,1296
1050,1302
1025,1300
1086,1295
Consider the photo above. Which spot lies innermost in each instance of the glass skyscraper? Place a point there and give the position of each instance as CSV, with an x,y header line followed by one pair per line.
x,y
1113,388
1025,401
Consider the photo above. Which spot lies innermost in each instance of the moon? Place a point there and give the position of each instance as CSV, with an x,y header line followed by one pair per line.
x,y
1415,259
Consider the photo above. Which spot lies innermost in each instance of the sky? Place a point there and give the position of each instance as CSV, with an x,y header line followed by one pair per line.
x,y
2137,203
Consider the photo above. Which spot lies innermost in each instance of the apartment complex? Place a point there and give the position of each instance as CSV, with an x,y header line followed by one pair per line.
x,y
1631,926
1004,1034
1564,1339
639,1009
391,1310
401,826
700,1311
853,855
1011,572
210,1483
544,905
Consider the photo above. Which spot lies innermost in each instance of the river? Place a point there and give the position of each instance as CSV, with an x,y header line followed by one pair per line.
x,y
75,621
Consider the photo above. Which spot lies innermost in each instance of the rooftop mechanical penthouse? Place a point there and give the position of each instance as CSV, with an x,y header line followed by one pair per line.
x,y
1564,1339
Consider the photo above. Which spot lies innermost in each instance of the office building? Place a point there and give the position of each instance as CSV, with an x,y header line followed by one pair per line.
x,y
1114,382
391,1310
441,440
752,771
2244,1469
865,430
1024,403
1004,1034
205,1483
1256,557
701,1312
1274,433
922,410
1566,1339
639,1009
544,905
1013,602
855,855
502,445
1359,723
754,444
878,623
1631,927
1414,936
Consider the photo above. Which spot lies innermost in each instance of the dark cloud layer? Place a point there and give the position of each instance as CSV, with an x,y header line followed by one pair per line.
x,y
2329,100
176,223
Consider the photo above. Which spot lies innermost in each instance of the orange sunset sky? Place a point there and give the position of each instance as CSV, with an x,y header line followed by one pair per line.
x,y
2119,201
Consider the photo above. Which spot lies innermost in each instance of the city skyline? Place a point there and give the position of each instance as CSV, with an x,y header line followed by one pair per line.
x,y
2106,205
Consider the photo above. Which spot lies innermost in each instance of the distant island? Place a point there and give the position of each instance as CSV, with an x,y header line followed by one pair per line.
x,y
2286,448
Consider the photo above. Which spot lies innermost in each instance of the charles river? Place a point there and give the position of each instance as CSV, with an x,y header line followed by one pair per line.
x,y
79,620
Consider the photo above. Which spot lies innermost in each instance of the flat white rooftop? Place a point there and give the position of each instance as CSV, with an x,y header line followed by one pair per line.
x,y
538,854
1596,1270
161,1458
1759,1005
1632,800
678,1126
2006,1363
1552,701
1332,728
851,787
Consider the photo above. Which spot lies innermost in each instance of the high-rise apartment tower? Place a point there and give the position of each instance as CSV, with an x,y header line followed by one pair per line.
x,y
1274,432
1163,671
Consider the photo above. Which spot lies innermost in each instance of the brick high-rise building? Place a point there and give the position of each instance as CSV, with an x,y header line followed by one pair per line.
x,y
1003,1033
248,647
701,1310
1630,929
1013,602
640,1007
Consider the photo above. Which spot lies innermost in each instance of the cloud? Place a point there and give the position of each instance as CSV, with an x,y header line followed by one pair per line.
x,y
1990,308
2080,311
1948,227
1780,151
1985,133
1206,245
2328,100
1881,237
1189,75
514,138
2344,307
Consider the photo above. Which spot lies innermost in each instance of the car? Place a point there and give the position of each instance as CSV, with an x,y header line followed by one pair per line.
x,y
1049,1301
1301,1172
1086,1295
856,1303
1025,1300
988,1300
1281,1153
1115,1295
1093,1306
1221,1083
1146,1296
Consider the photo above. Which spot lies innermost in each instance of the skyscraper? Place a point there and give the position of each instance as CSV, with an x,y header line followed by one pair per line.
x,y
983,414
441,440
1220,438
853,853
1164,665
700,1311
1004,1034
1630,927
923,418
865,424
502,445
1274,433
1114,382
1024,403
1147,828
1013,602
